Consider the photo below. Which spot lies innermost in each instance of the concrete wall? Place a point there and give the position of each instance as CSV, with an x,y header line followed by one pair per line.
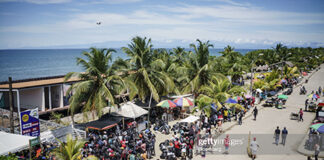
x,y
32,98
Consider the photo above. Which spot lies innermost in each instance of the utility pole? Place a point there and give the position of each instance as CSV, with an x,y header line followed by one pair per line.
x,y
11,106
148,115
252,73
282,69
251,77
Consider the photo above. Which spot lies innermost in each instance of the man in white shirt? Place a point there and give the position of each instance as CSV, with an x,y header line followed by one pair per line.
x,y
254,148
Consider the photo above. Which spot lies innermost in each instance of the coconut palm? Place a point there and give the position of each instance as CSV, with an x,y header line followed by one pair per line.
x,y
146,70
233,63
71,150
179,55
97,84
204,105
198,68
290,72
270,82
219,89
230,53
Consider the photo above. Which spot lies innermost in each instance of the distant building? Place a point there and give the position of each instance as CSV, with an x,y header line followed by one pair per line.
x,y
46,93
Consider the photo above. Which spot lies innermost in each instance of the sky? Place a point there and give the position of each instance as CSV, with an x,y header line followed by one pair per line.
x,y
169,23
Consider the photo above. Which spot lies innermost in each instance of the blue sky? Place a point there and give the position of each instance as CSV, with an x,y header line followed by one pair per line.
x,y
170,23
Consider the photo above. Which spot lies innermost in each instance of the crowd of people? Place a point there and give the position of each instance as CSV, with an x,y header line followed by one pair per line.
x,y
131,144
182,143
38,152
127,144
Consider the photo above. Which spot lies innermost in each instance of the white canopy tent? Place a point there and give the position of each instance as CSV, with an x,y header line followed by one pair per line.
x,y
131,110
259,90
190,119
13,142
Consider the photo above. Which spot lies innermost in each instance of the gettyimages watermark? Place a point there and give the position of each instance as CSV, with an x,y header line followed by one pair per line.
x,y
264,143
216,141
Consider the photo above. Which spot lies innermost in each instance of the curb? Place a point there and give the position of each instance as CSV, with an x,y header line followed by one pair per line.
x,y
250,114
301,145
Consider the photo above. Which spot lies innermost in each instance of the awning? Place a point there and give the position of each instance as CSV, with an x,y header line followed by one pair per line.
x,y
131,110
320,105
189,119
106,121
13,142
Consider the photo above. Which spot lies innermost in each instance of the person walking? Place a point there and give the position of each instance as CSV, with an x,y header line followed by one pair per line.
x,y
317,150
226,144
306,104
320,90
240,115
225,115
254,148
255,112
301,113
276,135
284,134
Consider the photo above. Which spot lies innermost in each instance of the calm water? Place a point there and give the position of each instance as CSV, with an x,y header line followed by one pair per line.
x,y
22,64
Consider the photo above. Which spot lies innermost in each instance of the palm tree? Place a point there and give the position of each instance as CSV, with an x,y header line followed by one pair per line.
x,y
220,89
204,105
71,150
290,72
97,85
270,82
280,50
198,68
230,53
233,62
179,55
146,70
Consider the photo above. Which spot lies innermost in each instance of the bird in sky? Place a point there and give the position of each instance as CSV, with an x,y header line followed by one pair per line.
x,y
98,23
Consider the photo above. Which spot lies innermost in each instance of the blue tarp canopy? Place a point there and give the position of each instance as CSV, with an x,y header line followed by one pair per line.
x,y
230,100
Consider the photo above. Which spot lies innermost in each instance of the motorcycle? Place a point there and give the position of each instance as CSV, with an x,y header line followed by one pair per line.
x,y
302,91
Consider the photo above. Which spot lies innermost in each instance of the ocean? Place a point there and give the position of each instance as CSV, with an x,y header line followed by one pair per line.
x,y
35,63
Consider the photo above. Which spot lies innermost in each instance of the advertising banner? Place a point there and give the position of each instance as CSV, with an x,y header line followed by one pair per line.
x,y
30,123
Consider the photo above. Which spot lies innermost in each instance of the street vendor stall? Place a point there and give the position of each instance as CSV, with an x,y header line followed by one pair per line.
x,y
106,122
190,119
131,110
13,142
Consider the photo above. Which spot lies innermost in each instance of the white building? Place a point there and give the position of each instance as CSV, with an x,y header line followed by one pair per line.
x,y
47,94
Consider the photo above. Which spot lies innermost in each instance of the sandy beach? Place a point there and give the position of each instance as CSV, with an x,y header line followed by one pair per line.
x,y
267,121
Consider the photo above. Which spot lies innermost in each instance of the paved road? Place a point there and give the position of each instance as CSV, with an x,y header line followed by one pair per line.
x,y
267,121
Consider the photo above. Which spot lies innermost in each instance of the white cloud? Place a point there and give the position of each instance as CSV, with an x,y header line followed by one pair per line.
x,y
231,2
39,1
114,1
237,23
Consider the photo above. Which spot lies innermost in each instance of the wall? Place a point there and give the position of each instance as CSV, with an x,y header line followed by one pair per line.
x,y
30,98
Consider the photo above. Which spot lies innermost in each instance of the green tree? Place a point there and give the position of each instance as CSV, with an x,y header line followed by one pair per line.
x,y
146,70
220,89
97,85
198,68
71,150
204,105
233,63
290,72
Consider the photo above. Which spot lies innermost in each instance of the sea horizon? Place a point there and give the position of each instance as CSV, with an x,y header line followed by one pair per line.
x,y
35,63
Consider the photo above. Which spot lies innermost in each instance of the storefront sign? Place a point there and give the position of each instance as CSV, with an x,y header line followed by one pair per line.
x,y
34,142
30,123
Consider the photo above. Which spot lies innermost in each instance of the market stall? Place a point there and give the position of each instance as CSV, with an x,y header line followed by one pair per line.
x,y
190,119
13,142
133,111
106,121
